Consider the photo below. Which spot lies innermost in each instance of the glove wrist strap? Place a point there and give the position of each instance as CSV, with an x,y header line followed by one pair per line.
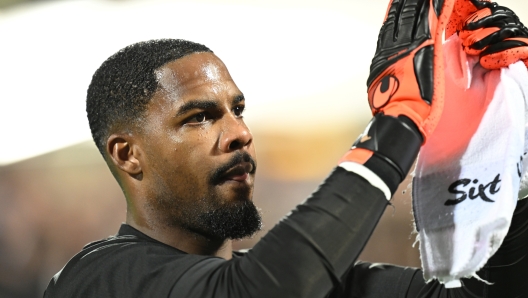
x,y
394,140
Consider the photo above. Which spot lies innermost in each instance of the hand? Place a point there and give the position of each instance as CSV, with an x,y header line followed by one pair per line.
x,y
406,74
496,34
461,10
405,89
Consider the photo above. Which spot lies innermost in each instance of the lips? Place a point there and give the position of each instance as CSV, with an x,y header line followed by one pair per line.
x,y
237,169
238,173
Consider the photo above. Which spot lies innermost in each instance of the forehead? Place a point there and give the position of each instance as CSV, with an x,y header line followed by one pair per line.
x,y
198,74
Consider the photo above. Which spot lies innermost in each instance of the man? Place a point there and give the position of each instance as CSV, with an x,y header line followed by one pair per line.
x,y
168,120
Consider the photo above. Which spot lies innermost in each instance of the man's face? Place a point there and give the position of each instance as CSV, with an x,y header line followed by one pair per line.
x,y
199,164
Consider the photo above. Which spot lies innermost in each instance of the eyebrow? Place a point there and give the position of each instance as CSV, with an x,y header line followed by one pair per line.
x,y
238,99
197,104
205,105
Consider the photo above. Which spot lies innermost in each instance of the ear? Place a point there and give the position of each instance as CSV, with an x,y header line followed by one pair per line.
x,y
124,153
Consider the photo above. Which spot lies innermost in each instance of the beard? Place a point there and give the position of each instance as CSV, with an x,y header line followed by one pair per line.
x,y
235,220
210,215
212,218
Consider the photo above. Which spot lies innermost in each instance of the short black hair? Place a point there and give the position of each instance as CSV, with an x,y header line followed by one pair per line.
x,y
124,84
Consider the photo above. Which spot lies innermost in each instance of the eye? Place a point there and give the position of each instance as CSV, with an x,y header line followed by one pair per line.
x,y
198,118
238,110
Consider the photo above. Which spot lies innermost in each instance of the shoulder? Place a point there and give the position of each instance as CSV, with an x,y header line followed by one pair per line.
x,y
121,266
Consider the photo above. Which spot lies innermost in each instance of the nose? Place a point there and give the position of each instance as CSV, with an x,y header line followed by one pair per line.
x,y
235,135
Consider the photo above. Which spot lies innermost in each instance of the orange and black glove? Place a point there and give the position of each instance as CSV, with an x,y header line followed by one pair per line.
x,y
461,10
496,34
405,88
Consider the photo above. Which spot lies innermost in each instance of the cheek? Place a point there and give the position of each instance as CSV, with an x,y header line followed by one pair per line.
x,y
194,154
184,157
196,142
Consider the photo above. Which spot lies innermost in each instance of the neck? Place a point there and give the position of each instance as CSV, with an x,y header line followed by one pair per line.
x,y
182,239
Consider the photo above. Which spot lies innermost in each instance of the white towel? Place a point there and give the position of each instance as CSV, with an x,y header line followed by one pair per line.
x,y
467,177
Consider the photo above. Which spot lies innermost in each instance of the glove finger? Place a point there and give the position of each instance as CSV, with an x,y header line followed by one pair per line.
x,y
472,52
481,4
474,42
480,38
487,18
507,44
512,32
461,10
493,38
504,57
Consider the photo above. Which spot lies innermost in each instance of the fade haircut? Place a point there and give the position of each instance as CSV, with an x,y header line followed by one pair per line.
x,y
124,84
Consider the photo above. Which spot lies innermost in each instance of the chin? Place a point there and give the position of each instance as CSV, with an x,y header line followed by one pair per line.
x,y
236,192
238,220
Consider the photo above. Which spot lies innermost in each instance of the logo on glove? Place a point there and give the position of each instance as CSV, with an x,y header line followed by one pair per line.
x,y
381,94
477,191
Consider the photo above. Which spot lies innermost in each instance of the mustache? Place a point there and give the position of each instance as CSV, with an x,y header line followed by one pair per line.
x,y
238,158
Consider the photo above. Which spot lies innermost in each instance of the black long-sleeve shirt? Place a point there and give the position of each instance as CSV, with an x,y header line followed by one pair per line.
x,y
310,253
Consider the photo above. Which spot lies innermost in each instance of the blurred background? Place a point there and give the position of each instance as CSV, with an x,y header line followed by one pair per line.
x,y
301,64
